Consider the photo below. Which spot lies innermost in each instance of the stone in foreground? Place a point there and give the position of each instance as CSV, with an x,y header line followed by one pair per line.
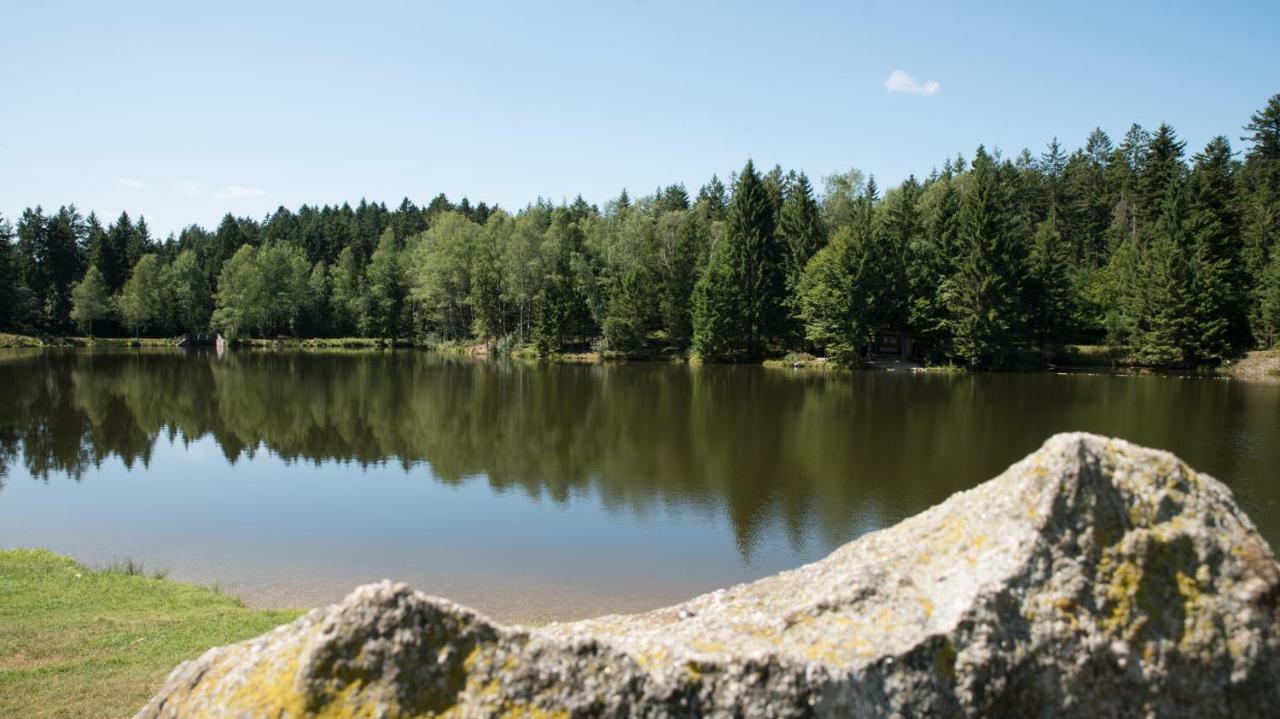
x,y
1094,578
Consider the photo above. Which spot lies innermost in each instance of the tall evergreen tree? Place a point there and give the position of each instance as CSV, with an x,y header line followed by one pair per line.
x,y
845,298
111,254
1268,329
10,279
758,259
1161,170
801,228
984,290
1167,331
1213,227
1261,204
929,263
1052,296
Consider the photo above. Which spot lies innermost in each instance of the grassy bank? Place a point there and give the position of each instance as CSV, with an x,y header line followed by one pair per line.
x,y
81,643
1259,366
10,341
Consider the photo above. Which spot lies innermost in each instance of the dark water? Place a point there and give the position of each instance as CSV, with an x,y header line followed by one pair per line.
x,y
538,492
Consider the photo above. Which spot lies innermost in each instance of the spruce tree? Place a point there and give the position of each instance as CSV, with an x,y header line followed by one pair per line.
x,y
845,297
758,262
1161,170
1052,295
111,254
1213,227
1268,329
983,291
717,307
801,228
1261,205
929,263
1167,325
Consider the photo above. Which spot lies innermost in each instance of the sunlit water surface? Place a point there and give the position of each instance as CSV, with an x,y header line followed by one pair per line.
x,y
539,492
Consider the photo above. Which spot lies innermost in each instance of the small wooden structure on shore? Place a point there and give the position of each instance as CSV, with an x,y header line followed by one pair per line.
x,y
893,343
203,339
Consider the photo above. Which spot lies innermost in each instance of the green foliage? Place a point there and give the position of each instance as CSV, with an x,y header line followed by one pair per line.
x,y
262,291
439,268
983,294
1269,301
188,289
746,316
1052,294
387,290
90,301
347,290
982,263
801,228
144,300
1219,282
1166,321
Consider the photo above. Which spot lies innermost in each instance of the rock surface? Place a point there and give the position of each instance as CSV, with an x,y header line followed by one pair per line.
x,y
1094,578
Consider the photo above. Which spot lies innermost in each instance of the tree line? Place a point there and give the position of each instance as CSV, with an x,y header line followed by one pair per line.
x,y
987,262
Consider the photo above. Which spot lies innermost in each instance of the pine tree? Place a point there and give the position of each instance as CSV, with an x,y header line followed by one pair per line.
x,y
1268,329
1052,300
1088,200
10,279
844,297
743,318
713,198
1161,170
1167,326
1260,200
758,262
983,292
111,254
1053,163
717,306
929,263
801,228
1213,227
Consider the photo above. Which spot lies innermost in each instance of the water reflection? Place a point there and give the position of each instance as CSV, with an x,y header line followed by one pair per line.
x,y
815,459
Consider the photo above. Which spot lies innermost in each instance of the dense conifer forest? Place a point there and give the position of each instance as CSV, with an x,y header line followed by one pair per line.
x,y
990,261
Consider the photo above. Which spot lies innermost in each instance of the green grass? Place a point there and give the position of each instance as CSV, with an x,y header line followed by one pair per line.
x,y
81,643
1092,356
8,340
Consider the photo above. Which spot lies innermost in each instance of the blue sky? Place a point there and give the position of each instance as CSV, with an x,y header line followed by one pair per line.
x,y
185,111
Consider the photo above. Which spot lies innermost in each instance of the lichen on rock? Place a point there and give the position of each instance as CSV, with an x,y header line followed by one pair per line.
x,y
1093,578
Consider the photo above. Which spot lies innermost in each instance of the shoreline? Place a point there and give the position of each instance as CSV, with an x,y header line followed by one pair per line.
x,y
80,641
1261,366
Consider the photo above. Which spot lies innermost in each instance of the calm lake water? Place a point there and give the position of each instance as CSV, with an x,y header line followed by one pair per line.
x,y
539,492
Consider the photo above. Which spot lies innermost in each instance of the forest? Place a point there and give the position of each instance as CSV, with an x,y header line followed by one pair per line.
x,y
990,262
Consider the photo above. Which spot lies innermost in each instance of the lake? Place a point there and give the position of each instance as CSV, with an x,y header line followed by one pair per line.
x,y
537,492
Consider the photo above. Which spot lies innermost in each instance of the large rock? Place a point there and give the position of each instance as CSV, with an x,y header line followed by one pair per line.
x,y
1094,578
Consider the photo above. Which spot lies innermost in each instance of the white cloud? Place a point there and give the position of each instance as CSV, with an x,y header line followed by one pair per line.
x,y
190,188
129,183
901,81
237,192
